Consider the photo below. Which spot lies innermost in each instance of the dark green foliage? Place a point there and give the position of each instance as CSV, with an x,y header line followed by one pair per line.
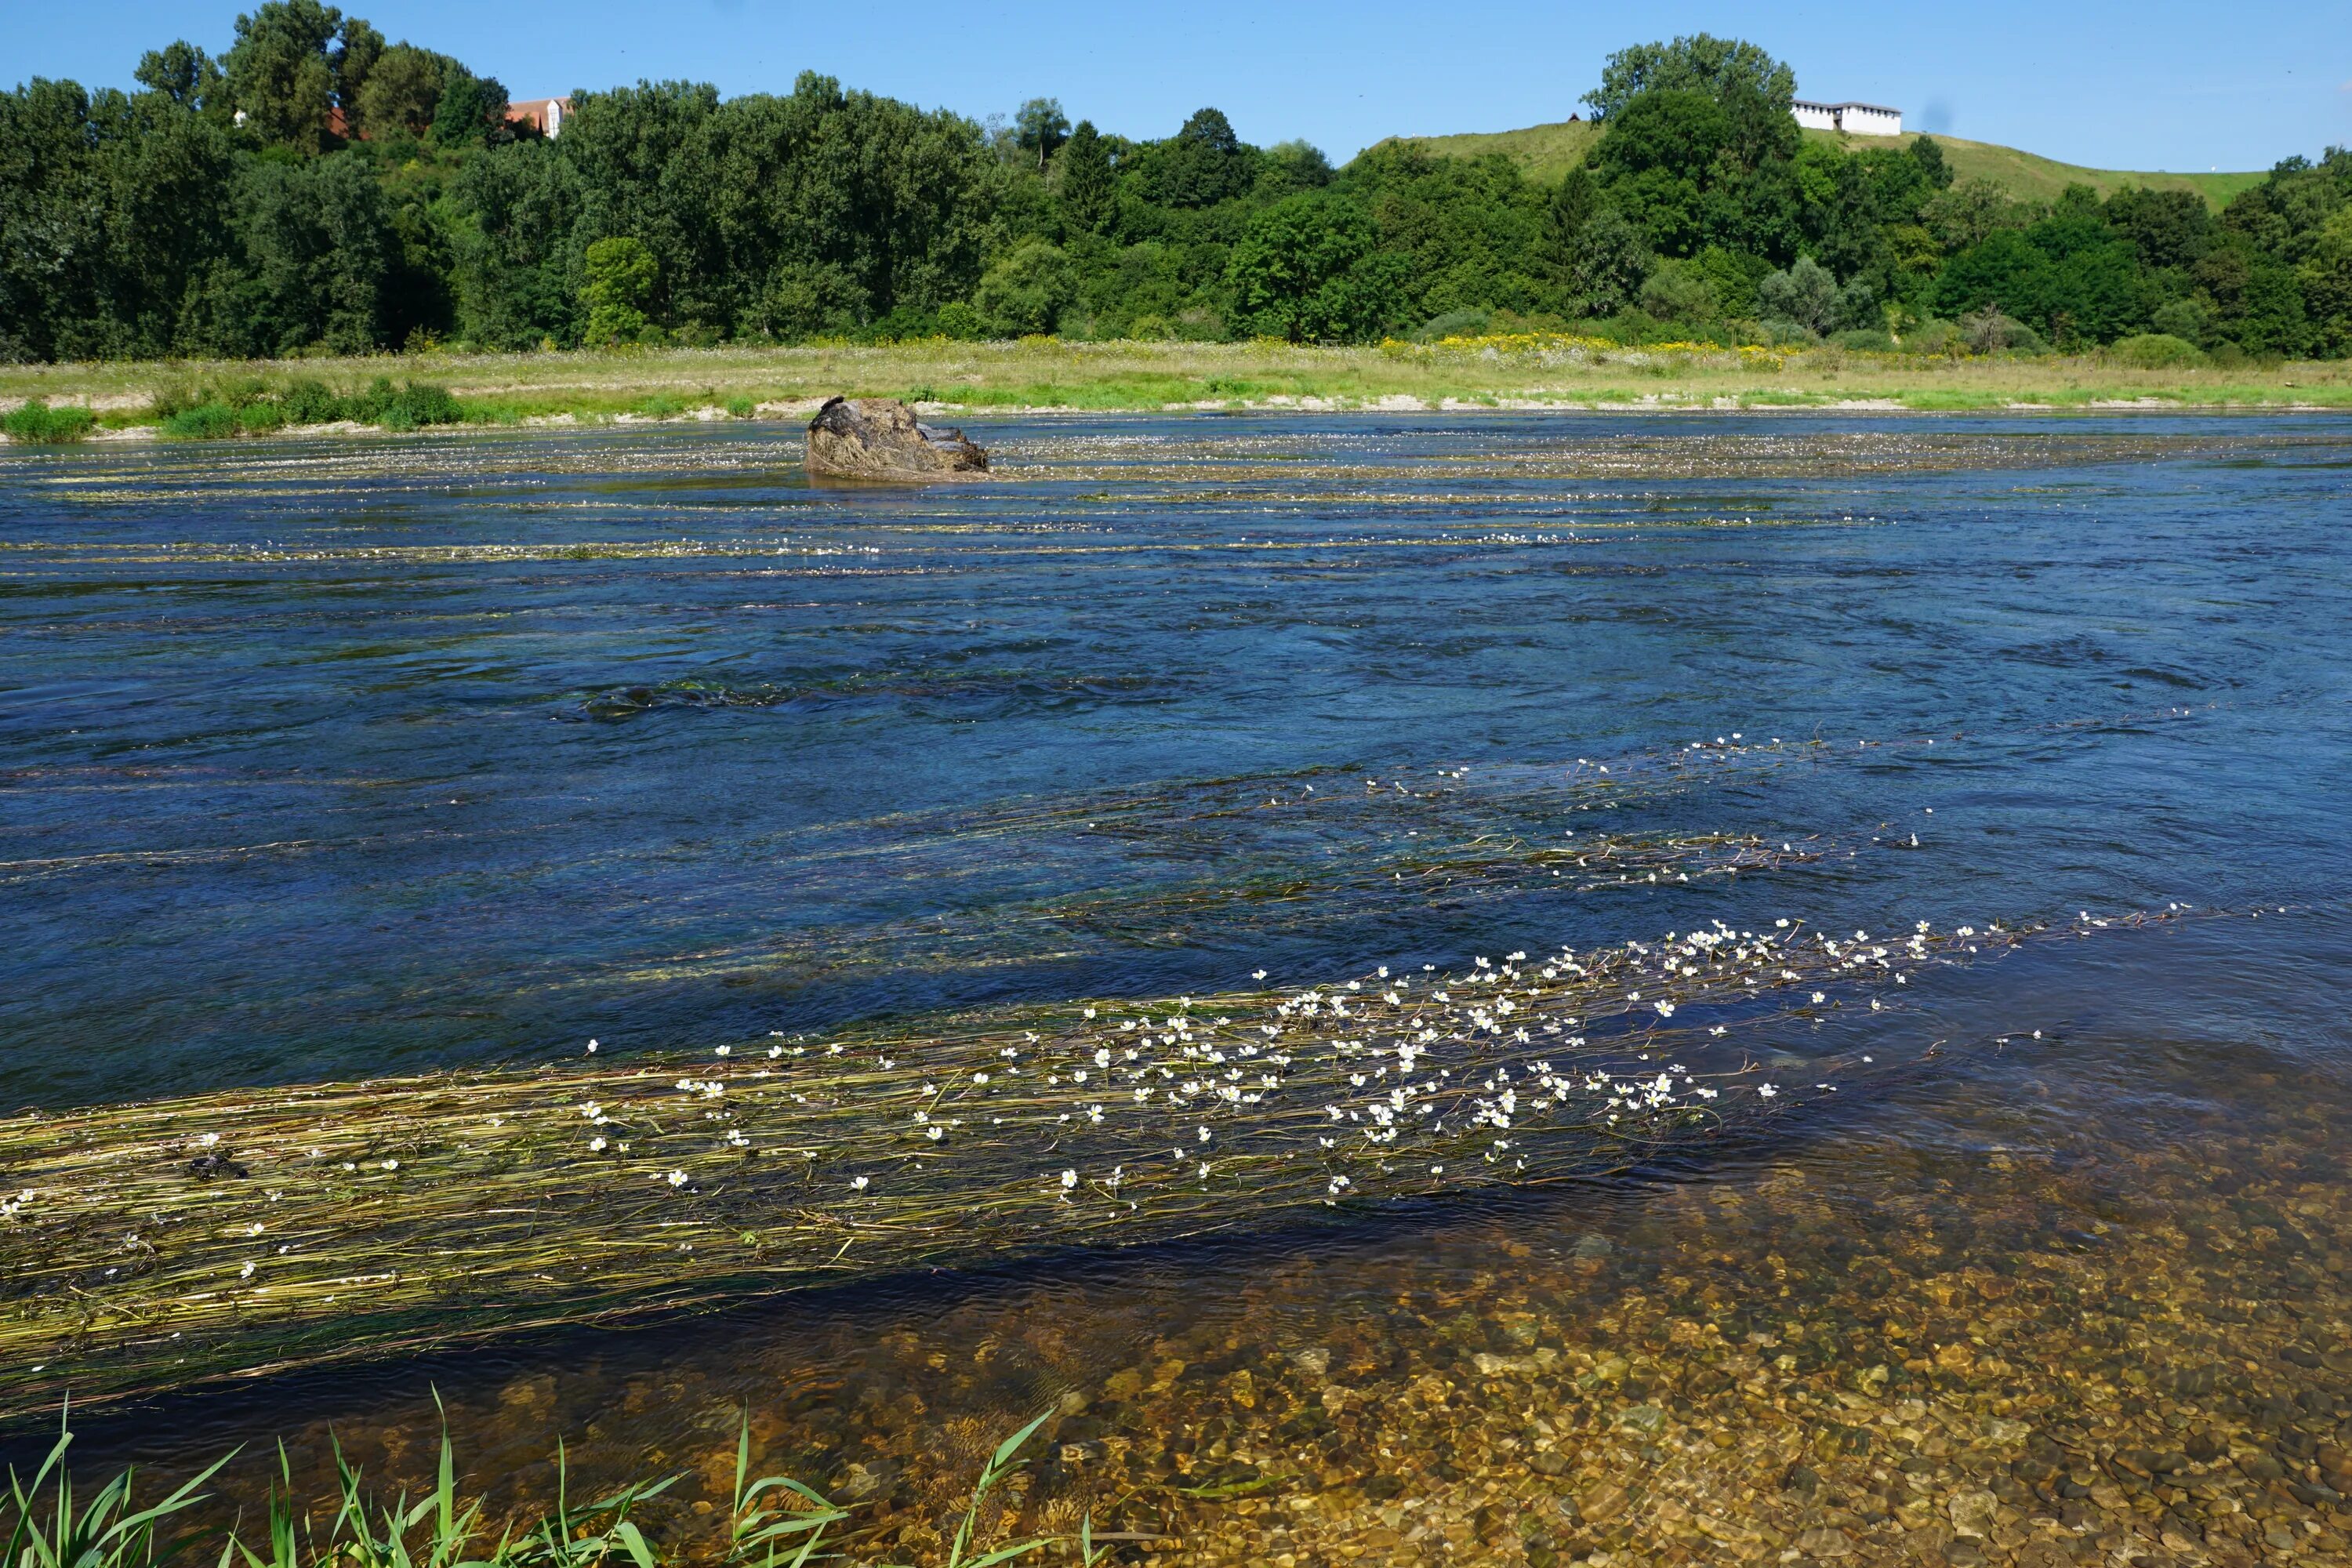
x,y
1040,128
1307,270
621,274
37,424
471,111
1087,180
1702,63
216,411
374,197
1204,163
406,407
281,73
205,422
181,72
2156,351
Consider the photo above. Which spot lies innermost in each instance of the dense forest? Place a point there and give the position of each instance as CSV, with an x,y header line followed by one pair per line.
x,y
317,189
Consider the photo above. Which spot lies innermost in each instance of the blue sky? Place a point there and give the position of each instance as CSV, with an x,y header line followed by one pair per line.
x,y
2148,85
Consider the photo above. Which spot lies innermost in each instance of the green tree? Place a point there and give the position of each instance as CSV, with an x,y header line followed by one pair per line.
x,y
1291,271
1700,63
279,75
1027,291
471,111
1040,128
517,207
402,92
1606,263
357,49
1205,164
1972,212
316,254
181,72
621,272
1288,167
1805,295
1087,179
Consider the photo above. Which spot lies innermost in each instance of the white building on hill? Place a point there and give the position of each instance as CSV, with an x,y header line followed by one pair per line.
x,y
1853,119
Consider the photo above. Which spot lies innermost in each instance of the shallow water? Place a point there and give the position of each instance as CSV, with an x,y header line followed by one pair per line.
x,y
325,762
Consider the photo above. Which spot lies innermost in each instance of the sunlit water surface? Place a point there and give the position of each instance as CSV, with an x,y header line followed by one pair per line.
x,y
331,761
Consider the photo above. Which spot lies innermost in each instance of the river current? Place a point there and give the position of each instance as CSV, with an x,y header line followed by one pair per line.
x,y
326,760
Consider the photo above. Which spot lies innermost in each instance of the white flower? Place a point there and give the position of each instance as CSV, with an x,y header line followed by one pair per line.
x,y
934,1133
392,1165
591,1048
677,1178
1069,1180
1204,1131
726,1050
595,1146
1766,1091
1819,996
1665,1009
246,1272
860,1181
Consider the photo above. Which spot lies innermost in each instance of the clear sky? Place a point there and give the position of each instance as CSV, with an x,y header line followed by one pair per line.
x,y
2150,85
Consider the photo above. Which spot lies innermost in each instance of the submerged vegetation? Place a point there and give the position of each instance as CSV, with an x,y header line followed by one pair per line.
x,y
241,1231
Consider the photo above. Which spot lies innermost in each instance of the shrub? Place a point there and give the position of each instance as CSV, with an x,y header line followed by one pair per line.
x,y
2156,351
1678,292
408,407
310,402
201,422
741,408
1466,323
1989,331
37,424
1865,338
961,322
1934,336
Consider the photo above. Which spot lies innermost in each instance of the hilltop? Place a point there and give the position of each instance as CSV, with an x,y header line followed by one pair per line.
x,y
1545,153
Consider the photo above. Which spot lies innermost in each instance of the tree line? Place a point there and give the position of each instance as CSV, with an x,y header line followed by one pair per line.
x,y
317,189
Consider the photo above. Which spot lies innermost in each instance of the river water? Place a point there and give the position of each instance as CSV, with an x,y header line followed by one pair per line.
x,y
331,761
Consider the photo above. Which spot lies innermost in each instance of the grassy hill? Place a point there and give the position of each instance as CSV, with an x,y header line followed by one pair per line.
x,y
1545,153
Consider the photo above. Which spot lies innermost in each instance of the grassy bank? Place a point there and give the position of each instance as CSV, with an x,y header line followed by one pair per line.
x,y
198,400
1544,153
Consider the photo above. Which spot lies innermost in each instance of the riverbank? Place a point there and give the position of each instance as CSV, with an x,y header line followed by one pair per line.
x,y
134,399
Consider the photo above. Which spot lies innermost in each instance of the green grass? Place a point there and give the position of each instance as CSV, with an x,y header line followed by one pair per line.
x,y
1545,153
773,1522
220,400
37,424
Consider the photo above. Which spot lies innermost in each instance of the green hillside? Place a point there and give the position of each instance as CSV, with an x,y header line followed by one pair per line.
x,y
1545,153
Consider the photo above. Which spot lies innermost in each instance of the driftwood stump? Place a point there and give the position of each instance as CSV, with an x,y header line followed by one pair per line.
x,y
879,438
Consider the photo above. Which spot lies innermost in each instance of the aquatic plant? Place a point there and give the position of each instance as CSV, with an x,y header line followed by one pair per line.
x,y
242,1231
773,1522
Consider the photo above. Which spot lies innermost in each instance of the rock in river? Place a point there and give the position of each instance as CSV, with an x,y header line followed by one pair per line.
x,y
879,438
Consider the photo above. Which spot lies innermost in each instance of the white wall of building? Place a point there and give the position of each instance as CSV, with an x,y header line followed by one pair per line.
x,y
1853,119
